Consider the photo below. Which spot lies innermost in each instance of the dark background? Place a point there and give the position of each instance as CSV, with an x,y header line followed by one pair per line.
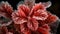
x,y
55,8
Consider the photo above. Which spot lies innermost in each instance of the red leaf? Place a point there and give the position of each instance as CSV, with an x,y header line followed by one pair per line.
x,y
51,18
46,26
21,13
6,8
40,15
24,8
44,30
24,30
32,24
17,19
38,6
